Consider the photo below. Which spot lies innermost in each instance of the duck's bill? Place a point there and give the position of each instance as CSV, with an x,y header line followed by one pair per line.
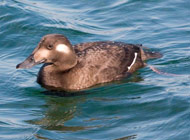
x,y
29,62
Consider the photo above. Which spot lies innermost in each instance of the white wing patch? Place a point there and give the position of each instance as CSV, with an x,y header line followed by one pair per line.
x,y
133,62
62,48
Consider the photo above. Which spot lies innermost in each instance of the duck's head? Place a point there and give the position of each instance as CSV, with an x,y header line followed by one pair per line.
x,y
54,49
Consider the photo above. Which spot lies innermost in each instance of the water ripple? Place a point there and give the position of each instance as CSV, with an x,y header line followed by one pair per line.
x,y
145,106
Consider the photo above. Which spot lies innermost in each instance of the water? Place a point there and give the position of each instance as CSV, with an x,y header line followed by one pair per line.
x,y
147,106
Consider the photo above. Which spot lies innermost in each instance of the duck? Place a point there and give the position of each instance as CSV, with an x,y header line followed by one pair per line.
x,y
68,67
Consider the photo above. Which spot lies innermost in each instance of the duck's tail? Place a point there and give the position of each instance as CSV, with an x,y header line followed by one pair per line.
x,y
146,54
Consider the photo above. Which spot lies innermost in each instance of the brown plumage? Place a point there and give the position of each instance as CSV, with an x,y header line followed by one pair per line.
x,y
80,66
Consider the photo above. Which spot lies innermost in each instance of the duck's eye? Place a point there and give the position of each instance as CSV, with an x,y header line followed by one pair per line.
x,y
50,47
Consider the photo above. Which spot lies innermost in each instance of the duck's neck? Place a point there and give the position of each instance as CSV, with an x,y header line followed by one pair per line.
x,y
62,67
66,62
52,75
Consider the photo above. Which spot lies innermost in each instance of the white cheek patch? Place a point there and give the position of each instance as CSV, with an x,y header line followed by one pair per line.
x,y
62,48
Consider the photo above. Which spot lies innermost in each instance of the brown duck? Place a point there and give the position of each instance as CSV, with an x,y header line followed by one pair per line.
x,y
74,67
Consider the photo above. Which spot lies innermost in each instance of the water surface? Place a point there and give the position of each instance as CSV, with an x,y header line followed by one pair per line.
x,y
145,107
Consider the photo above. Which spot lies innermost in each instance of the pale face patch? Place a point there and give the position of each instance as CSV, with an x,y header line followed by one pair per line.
x,y
62,48
41,54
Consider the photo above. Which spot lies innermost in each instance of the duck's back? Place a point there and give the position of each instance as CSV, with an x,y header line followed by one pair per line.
x,y
109,55
101,62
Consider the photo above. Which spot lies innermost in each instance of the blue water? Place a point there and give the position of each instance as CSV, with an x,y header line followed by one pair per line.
x,y
148,106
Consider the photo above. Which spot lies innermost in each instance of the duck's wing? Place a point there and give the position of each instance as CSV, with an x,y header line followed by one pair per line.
x,y
105,61
86,45
83,46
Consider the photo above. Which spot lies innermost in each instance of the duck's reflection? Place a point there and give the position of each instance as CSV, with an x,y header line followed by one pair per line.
x,y
60,110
